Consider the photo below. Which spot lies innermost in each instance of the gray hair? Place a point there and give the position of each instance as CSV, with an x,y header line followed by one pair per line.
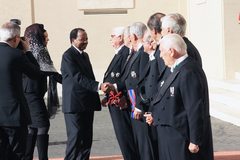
x,y
8,31
138,28
176,22
127,30
119,31
148,39
174,41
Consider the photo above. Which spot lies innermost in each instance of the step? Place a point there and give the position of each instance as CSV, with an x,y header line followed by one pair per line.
x,y
225,97
229,85
225,112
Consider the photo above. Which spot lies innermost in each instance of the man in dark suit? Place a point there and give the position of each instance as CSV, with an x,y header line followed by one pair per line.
x,y
181,106
120,114
14,111
131,76
80,96
154,24
148,86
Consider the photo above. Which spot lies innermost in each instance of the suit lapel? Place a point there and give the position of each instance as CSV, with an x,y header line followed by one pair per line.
x,y
145,71
84,61
113,62
169,81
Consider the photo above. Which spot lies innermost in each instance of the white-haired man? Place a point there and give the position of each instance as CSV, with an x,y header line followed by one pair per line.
x,y
181,106
14,111
131,76
120,112
175,23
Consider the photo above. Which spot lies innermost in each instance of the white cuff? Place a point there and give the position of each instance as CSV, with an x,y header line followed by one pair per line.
x,y
99,85
115,86
138,110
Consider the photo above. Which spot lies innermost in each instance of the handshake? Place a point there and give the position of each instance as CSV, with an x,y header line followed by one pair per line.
x,y
107,87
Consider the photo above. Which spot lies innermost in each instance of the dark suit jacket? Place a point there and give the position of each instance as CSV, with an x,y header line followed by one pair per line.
x,y
192,51
79,93
39,86
14,110
115,69
138,63
185,104
148,82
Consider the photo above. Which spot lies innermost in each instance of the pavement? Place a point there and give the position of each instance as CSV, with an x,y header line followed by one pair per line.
x,y
226,138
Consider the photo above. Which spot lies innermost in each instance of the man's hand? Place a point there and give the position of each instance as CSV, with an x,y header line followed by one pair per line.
x,y
107,87
123,103
149,118
137,115
193,148
104,102
25,44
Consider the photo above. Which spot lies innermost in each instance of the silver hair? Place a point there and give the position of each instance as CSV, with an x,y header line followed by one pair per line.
x,y
119,31
127,30
8,31
138,28
174,41
148,39
176,22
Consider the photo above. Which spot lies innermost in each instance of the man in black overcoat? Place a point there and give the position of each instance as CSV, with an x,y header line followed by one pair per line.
x,y
80,96
181,106
131,76
14,111
120,114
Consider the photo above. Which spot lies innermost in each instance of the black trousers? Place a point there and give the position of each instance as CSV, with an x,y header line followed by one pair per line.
x,y
142,139
79,128
13,142
171,144
123,130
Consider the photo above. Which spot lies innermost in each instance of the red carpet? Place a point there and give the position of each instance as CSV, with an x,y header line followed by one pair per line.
x,y
219,155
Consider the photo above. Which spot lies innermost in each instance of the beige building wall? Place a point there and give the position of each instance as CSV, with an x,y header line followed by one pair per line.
x,y
214,29
16,9
206,31
60,17
232,37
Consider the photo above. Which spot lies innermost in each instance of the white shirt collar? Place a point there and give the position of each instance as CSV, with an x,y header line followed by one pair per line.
x,y
5,42
178,61
159,41
139,46
77,49
151,56
119,48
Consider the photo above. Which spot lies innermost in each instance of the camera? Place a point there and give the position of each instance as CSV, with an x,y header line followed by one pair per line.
x,y
18,22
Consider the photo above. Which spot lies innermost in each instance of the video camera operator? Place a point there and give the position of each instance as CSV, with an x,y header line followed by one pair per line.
x,y
14,111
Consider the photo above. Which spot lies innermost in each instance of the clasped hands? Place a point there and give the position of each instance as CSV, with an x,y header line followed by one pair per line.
x,y
107,87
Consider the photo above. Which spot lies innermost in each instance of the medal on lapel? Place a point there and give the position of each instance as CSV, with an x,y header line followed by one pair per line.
x,y
112,74
128,57
106,74
117,75
172,91
133,74
162,83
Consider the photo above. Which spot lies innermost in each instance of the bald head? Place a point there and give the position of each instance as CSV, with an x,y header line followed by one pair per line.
x,y
172,47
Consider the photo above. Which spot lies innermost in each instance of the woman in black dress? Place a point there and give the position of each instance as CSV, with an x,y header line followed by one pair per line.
x,y
35,90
